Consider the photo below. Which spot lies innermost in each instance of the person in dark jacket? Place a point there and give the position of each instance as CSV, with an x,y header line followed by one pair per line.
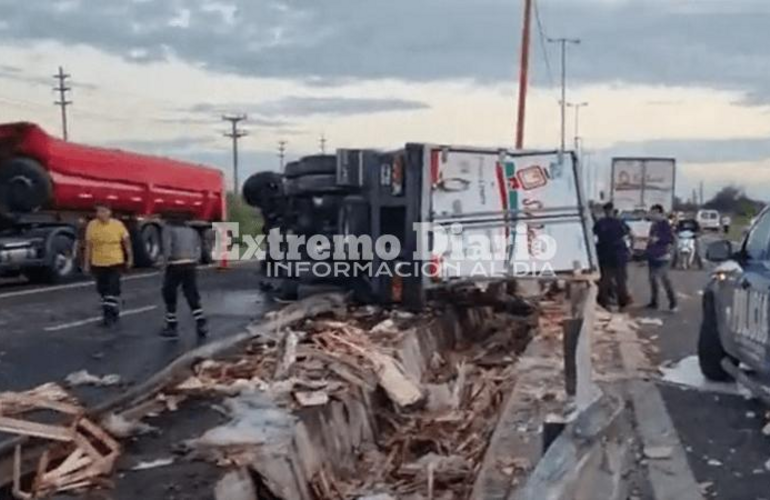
x,y
612,250
659,254
182,251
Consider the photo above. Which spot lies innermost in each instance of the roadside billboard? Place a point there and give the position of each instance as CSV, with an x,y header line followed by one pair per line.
x,y
640,183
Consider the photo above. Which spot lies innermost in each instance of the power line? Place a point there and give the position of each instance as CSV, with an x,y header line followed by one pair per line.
x,y
282,152
544,45
563,45
62,88
235,134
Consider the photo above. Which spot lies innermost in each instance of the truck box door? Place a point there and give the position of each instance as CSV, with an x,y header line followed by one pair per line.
x,y
506,214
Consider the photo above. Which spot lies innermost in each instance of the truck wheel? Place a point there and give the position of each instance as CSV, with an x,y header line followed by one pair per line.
x,y
260,189
310,185
63,262
25,186
710,349
312,165
148,245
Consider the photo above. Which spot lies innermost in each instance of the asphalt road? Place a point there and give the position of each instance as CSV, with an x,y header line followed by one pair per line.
x,y
47,333
720,430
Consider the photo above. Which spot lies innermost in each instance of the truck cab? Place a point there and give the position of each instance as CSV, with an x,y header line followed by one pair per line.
x,y
735,329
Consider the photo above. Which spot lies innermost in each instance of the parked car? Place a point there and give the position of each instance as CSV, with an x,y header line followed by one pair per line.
x,y
709,220
735,329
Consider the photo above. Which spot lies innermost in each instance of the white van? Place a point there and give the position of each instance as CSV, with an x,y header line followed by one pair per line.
x,y
709,220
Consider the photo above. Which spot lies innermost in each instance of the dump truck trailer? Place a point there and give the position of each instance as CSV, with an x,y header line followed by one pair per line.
x,y
49,187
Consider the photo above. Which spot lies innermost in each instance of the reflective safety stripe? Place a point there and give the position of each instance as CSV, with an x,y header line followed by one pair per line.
x,y
198,313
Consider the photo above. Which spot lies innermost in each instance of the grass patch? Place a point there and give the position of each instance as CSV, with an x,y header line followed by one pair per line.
x,y
248,218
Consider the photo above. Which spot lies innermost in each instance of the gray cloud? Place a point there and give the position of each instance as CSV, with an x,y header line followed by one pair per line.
x,y
296,106
164,147
696,150
17,74
707,42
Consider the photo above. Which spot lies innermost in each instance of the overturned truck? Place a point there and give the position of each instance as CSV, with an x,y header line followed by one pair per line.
x,y
397,226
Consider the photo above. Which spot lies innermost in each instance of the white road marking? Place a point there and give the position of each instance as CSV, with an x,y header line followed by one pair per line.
x,y
89,283
70,286
96,319
671,479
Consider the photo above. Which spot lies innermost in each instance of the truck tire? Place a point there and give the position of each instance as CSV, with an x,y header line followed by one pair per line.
x,y
312,165
262,188
62,266
311,185
25,186
710,349
148,245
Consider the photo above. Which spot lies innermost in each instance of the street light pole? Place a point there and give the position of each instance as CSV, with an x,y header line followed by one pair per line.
x,y
577,107
563,45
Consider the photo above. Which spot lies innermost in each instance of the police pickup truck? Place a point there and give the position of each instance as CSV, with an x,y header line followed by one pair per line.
x,y
735,329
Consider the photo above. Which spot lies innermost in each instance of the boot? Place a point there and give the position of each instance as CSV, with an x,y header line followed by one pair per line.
x,y
108,317
170,331
202,328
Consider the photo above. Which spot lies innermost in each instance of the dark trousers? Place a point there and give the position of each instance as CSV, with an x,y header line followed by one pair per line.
x,y
108,287
186,276
614,284
659,274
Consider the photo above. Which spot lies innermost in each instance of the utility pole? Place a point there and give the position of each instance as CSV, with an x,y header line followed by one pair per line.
x,y
524,74
62,89
235,134
563,45
577,107
590,174
282,152
322,143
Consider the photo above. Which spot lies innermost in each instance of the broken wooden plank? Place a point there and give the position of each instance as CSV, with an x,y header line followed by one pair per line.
x,y
16,403
34,429
289,356
399,386
17,491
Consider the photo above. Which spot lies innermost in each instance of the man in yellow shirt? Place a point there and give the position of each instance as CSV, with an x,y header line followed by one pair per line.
x,y
107,254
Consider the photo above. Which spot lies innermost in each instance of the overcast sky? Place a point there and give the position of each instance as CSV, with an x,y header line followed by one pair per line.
x,y
682,78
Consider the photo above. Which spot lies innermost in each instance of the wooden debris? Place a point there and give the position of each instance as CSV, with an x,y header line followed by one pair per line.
x,y
399,386
236,485
90,452
34,429
47,396
311,398
289,356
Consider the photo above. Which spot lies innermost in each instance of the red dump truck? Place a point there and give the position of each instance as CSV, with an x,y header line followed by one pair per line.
x,y
48,189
